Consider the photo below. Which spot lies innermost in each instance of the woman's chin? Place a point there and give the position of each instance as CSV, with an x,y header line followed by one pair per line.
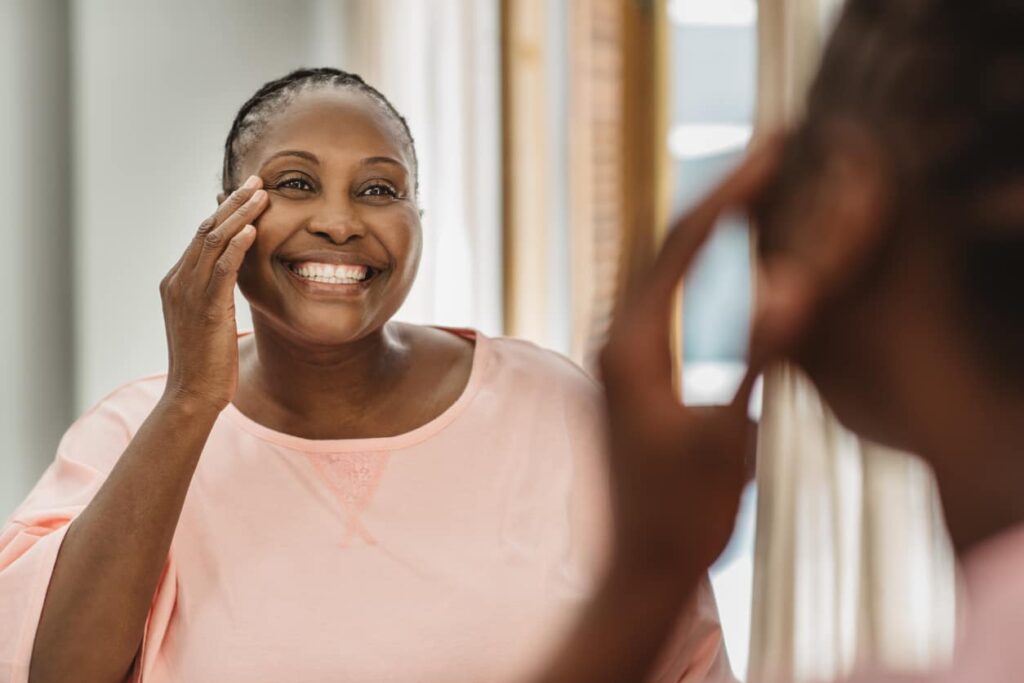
x,y
335,330
333,327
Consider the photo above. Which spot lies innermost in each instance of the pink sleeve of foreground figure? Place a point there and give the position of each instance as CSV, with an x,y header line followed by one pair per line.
x,y
991,628
31,537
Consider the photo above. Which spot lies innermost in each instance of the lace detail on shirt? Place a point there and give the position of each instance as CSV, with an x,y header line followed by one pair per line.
x,y
353,478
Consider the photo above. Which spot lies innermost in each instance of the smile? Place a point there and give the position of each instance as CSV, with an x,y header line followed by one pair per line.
x,y
331,273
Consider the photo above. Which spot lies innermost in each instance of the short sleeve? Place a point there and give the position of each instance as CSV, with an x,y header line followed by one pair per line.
x,y
31,537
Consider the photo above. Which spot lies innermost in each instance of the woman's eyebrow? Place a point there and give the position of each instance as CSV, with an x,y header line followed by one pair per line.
x,y
382,160
308,156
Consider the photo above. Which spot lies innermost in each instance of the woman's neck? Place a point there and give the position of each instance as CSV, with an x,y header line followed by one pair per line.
x,y
980,472
971,430
319,390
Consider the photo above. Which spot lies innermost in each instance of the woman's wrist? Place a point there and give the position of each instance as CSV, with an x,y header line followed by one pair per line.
x,y
188,407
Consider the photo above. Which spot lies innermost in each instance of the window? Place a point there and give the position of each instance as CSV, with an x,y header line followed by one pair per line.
x,y
712,75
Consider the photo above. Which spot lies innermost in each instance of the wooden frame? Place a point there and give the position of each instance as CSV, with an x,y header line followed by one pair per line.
x,y
525,163
618,158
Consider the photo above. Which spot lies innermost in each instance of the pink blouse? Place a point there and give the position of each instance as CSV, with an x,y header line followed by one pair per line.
x,y
457,552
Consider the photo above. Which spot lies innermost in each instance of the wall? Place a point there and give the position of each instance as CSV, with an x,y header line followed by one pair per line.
x,y
156,85
35,278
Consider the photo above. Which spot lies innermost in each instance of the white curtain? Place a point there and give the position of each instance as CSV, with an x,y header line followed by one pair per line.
x,y
439,64
852,561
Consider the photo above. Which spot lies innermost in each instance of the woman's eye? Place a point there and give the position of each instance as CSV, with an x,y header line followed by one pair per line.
x,y
296,184
379,190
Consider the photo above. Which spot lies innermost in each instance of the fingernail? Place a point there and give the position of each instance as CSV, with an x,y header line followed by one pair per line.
x,y
251,183
257,196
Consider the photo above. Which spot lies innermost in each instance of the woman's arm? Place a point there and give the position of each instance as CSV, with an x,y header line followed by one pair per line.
x,y
114,552
110,562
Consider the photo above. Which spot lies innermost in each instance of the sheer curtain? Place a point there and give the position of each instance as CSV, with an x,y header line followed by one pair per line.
x,y
852,561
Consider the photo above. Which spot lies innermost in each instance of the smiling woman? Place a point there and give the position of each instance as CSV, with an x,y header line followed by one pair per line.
x,y
335,496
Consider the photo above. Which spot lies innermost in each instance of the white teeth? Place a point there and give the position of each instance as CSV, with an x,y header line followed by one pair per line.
x,y
330,273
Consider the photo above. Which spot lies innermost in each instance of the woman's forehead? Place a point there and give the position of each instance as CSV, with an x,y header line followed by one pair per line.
x,y
341,119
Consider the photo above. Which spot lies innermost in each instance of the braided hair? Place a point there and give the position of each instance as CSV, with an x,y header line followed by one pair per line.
x,y
940,83
255,114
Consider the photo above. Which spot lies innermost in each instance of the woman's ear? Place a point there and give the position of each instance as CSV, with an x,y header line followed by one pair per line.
x,y
835,226
220,198
848,217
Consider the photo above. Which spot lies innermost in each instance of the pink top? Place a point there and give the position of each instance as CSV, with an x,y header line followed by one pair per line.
x,y
455,552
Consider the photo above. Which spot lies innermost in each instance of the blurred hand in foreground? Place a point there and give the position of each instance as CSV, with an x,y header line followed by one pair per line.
x,y
678,472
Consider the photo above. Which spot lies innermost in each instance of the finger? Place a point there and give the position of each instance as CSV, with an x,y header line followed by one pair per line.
x,y
750,455
237,198
225,271
195,246
229,206
646,321
689,233
741,399
217,240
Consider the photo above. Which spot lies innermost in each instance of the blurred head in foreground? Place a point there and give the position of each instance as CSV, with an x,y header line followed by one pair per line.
x,y
900,205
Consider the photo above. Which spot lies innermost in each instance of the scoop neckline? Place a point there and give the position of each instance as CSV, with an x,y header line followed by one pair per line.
x,y
481,348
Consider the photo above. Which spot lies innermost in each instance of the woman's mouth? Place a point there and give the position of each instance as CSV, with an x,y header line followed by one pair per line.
x,y
331,273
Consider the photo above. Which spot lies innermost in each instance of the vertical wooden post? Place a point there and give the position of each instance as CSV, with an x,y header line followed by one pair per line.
x,y
619,154
526,163
618,158
647,170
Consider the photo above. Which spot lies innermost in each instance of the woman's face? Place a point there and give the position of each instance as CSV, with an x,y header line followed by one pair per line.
x,y
339,243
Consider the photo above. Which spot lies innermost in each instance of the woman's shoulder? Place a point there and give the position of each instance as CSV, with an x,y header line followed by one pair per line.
x,y
528,364
112,421
132,401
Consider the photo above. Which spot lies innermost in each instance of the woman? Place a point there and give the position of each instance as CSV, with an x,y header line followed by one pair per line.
x,y
892,248
334,497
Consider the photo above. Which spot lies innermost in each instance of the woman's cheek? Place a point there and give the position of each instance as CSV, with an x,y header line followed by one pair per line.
x,y
407,239
258,262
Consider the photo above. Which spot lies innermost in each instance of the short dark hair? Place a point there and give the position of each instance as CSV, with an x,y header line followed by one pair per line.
x,y
254,115
940,83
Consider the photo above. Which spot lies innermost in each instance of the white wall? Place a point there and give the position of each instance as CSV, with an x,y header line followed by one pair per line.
x,y
156,85
35,324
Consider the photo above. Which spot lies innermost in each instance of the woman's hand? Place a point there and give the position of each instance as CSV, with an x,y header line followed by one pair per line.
x,y
198,302
678,472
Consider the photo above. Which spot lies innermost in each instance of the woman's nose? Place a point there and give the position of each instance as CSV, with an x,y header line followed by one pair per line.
x,y
338,222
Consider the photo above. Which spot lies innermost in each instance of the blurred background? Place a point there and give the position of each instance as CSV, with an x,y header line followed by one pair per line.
x,y
115,112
